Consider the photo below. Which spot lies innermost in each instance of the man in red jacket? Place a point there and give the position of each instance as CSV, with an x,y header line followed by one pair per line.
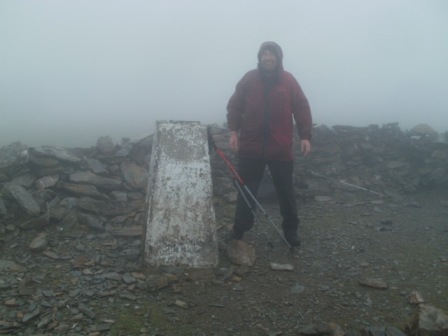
x,y
260,116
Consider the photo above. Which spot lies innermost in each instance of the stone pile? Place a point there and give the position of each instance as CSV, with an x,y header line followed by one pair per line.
x,y
102,189
102,186
105,185
380,158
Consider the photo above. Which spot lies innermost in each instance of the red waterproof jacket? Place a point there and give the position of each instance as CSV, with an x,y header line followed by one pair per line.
x,y
263,114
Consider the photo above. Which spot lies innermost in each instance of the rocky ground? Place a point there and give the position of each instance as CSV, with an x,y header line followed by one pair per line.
x,y
363,258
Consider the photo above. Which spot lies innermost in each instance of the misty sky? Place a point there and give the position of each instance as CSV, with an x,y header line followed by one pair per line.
x,y
71,71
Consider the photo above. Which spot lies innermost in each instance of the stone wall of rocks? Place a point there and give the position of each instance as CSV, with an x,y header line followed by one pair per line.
x,y
101,187
382,159
104,186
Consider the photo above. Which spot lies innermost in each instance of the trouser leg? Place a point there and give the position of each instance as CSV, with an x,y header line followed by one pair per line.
x,y
251,171
281,173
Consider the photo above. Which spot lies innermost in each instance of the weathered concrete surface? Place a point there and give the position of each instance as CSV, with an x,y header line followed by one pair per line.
x,y
180,227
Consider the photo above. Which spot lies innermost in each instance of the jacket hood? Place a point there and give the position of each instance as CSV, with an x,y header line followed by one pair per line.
x,y
269,45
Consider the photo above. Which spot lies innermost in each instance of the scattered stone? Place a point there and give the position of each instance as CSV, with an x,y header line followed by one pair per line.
x,y
282,267
105,145
322,198
373,283
134,175
23,197
428,320
55,152
86,310
97,180
13,154
416,298
46,181
39,243
181,304
240,253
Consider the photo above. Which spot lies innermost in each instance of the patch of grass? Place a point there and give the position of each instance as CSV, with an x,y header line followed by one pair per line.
x,y
128,323
151,317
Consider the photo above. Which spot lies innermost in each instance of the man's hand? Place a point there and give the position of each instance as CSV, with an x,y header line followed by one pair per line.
x,y
233,142
305,147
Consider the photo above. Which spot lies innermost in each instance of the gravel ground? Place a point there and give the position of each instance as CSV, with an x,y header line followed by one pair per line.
x,y
361,258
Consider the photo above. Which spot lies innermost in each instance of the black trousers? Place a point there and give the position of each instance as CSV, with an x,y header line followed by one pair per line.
x,y
251,171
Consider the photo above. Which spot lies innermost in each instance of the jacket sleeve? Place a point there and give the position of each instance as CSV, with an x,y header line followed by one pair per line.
x,y
235,107
301,111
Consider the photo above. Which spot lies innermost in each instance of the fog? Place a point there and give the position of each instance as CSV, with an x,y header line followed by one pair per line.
x,y
71,71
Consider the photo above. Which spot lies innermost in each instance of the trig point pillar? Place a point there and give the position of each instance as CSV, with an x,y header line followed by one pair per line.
x,y
181,226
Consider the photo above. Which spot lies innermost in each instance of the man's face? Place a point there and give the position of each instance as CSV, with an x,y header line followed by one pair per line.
x,y
268,60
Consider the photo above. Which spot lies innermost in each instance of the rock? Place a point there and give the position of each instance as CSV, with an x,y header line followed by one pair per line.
x,y
428,321
46,181
95,165
83,189
7,265
282,267
134,175
181,304
35,223
416,298
92,222
424,130
39,243
86,310
159,281
322,198
97,180
374,283
55,152
240,253
105,145
13,154
24,198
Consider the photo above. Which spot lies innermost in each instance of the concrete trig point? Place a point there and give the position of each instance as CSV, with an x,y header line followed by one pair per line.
x,y
180,227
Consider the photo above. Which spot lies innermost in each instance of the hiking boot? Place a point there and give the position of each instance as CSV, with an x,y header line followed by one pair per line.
x,y
292,238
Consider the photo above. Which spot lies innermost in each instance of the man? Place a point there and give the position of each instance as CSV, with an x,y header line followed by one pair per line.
x,y
260,117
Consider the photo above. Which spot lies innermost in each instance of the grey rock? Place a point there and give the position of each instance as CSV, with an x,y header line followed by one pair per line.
x,y
105,145
56,152
373,283
7,264
134,175
240,253
35,223
95,165
46,181
86,310
429,321
97,180
128,278
91,221
82,189
13,154
24,198
39,243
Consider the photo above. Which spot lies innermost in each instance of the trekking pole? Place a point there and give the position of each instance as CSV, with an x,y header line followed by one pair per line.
x,y
251,210
243,187
346,183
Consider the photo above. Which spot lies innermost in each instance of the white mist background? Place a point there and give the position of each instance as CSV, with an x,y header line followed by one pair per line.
x,y
72,71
